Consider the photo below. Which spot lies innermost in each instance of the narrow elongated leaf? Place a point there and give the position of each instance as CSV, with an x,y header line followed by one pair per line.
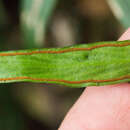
x,y
34,18
121,9
78,66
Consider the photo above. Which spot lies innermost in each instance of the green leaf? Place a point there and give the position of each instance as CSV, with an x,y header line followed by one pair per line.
x,y
78,66
34,18
121,9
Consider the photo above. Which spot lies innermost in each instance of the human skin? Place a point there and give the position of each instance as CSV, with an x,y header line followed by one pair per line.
x,y
101,108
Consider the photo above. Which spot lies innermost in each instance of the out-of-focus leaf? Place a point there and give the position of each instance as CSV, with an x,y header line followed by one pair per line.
x,y
34,19
121,9
10,117
2,14
2,25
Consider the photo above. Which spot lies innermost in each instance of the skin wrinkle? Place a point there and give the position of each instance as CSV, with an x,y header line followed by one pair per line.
x,y
123,111
64,51
125,116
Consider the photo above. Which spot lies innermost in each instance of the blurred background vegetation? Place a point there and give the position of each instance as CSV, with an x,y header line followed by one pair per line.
x,y
28,24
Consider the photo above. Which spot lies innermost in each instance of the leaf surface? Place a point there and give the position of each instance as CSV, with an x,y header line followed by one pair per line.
x,y
77,66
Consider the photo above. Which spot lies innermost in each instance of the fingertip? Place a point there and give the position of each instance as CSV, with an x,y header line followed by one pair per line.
x,y
125,36
100,108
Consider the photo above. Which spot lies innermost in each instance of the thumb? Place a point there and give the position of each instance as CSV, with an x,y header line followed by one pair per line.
x,y
101,108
